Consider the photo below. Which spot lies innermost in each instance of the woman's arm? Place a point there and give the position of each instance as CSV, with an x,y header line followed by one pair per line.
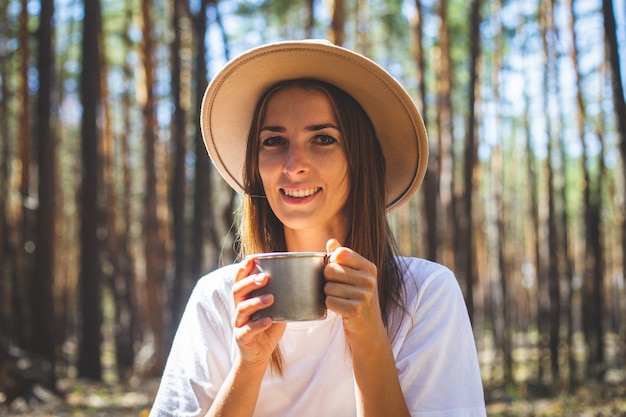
x,y
352,292
378,388
240,391
256,340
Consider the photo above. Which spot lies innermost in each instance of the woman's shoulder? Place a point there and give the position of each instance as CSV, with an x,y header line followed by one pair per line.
x,y
424,278
217,282
431,292
225,272
422,270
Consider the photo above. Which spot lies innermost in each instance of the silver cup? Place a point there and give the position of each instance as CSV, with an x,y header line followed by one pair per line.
x,y
297,283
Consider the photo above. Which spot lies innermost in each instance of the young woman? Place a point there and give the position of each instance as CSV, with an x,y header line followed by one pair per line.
x,y
322,143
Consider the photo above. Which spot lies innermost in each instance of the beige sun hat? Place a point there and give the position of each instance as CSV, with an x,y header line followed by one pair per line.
x,y
231,97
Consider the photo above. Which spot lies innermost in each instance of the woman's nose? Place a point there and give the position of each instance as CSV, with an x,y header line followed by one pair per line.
x,y
296,160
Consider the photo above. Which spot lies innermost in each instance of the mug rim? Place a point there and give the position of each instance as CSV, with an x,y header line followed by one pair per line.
x,y
276,255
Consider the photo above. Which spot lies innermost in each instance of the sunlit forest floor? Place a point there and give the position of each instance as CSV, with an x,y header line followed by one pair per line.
x,y
89,399
115,400
527,399
112,400
532,399
591,400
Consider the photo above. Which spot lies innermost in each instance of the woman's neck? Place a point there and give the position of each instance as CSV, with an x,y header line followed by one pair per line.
x,y
311,240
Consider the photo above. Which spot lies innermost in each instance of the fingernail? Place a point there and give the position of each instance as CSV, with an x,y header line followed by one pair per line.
x,y
259,279
266,298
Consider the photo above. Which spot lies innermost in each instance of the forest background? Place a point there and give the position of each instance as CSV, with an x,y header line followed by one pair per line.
x,y
110,209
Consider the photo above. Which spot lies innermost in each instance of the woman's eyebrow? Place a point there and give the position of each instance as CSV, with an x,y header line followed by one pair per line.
x,y
273,128
313,128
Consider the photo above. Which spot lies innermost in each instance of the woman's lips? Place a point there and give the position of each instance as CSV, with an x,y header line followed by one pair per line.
x,y
301,192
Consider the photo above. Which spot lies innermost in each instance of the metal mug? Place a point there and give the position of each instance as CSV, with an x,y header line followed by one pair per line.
x,y
297,283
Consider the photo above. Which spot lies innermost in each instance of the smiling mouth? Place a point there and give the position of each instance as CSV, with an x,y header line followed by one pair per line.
x,y
306,192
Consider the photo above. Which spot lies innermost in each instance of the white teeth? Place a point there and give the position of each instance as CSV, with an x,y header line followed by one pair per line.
x,y
301,193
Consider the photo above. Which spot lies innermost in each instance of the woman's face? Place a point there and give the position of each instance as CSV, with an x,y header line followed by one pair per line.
x,y
302,162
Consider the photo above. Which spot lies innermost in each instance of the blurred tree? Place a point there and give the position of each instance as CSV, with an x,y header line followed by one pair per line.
x,y
213,204
203,230
337,32
153,240
430,189
310,21
619,103
593,256
90,310
467,235
115,254
550,333
503,298
128,329
444,139
22,240
179,153
363,27
581,114
42,283
5,155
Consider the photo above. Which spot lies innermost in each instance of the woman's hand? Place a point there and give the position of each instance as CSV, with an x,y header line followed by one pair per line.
x,y
352,292
256,339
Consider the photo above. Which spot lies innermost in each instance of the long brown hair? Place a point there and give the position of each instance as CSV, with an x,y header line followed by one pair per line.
x,y
369,233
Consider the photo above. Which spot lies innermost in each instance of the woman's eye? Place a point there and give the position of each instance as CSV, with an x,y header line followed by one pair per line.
x,y
272,141
326,139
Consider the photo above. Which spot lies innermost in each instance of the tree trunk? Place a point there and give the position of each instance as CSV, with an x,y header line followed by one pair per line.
x,y
534,277
501,314
5,156
362,27
337,33
22,237
127,327
502,317
202,181
430,190
444,151
178,180
154,249
596,234
553,162
619,103
67,202
565,267
41,287
471,156
90,309
310,22
554,271
116,249
589,260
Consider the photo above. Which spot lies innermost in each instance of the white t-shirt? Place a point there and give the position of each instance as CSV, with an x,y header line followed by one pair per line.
x,y
433,348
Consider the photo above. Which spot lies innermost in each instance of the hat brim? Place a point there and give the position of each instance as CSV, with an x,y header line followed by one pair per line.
x,y
231,97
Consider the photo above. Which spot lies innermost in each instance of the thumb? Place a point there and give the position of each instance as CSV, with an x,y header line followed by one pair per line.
x,y
332,244
245,269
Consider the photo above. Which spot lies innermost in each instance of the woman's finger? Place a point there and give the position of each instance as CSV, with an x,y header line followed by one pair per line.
x,y
244,286
346,257
245,269
246,308
331,245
